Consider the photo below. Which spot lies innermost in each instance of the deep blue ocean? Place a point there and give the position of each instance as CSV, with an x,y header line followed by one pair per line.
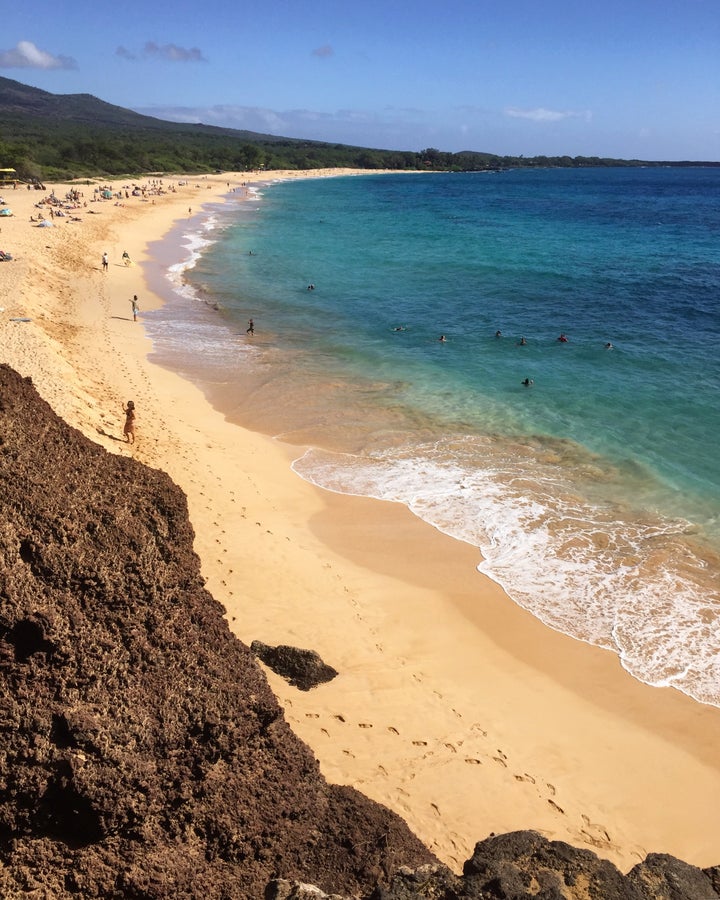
x,y
593,493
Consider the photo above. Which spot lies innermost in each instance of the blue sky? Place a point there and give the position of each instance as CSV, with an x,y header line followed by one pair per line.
x,y
619,78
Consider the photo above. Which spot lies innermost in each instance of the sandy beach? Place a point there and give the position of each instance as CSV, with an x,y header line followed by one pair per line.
x,y
453,706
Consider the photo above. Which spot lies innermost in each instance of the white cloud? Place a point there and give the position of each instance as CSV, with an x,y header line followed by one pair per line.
x,y
540,114
27,56
167,52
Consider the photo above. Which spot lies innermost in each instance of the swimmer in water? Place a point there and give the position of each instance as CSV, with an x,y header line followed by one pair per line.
x,y
442,339
522,342
609,346
528,382
563,339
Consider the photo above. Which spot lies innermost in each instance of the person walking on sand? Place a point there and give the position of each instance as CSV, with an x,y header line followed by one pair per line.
x,y
129,429
135,307
105,262
251,327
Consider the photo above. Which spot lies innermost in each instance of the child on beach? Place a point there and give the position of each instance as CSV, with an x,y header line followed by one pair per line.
x,y
135,307
129,429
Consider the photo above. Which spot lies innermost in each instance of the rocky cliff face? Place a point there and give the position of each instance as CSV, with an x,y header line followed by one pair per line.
x,y
142,753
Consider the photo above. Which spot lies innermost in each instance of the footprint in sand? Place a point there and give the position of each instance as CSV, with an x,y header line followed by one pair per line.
x,y
525,777
393,730
556,807
420,743
601,833
312,716
349,753
339,718
472,762
451,747
364,725
501,761
436,808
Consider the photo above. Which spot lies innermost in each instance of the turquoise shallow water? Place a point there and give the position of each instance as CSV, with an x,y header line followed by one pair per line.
x,y
594,494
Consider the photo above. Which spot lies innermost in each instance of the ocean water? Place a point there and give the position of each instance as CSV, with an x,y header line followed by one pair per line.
x,y
593,494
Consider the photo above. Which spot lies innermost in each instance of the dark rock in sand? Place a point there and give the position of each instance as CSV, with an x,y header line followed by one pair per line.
x,y
524,864
664,877
304,669
143,753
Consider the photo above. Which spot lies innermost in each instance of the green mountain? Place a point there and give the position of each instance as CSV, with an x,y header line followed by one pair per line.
x,y
17,101
46,136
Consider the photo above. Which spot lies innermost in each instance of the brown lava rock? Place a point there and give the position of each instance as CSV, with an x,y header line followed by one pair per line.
x,y
143,753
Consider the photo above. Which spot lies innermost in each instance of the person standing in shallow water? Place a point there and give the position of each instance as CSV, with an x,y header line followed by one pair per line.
x,y
129,429
135,307
251,327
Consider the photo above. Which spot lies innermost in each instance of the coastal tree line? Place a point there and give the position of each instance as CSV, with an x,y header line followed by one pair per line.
x,y
60,155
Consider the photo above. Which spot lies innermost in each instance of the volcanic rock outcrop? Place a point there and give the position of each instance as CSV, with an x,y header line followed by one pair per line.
x,y
524,865
142,753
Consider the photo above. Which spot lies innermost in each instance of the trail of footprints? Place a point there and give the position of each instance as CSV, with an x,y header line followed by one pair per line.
x,y
456,751
451,750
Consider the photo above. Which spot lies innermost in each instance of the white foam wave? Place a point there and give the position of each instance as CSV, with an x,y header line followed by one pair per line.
x,y
194,243
626,582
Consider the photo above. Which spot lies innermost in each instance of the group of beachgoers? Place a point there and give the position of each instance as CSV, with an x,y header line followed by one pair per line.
x,y
562,339
526,382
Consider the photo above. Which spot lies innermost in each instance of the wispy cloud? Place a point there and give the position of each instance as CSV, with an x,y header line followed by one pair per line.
x,y
324,52
165,52
27,56
386,128
540,114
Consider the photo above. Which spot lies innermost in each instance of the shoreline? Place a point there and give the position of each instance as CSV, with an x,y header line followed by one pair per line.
x,y
454,707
